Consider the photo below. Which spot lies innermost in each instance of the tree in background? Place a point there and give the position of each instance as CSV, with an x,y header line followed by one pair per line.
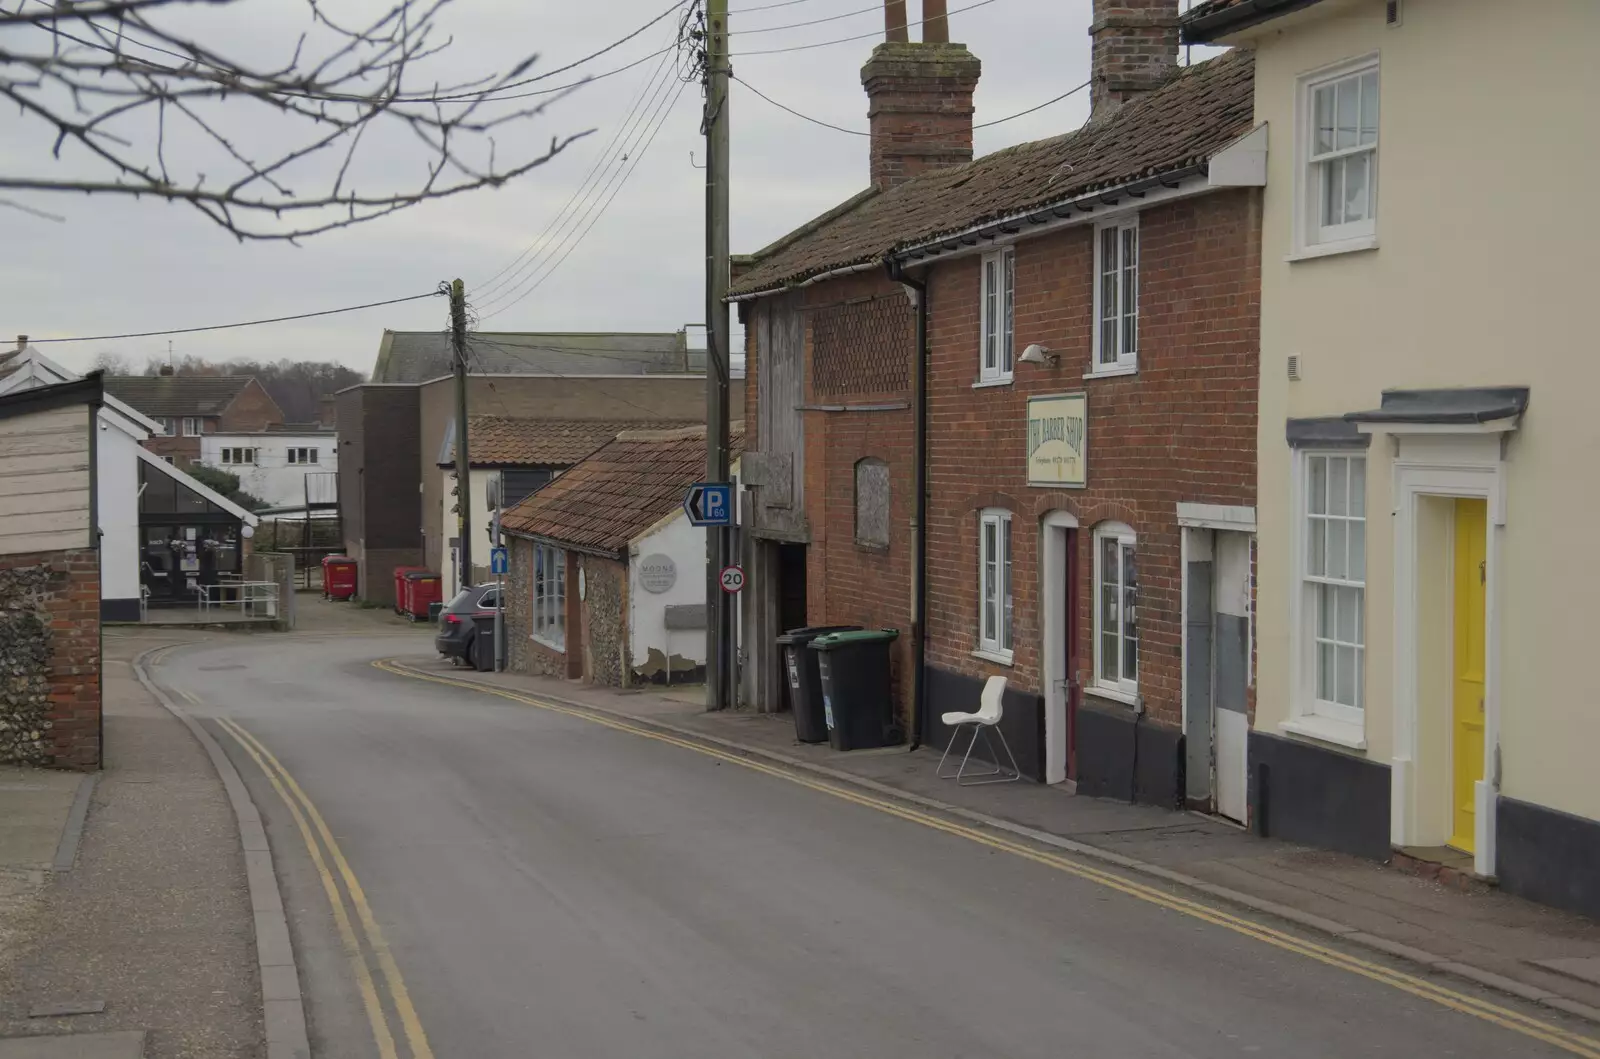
x,y
277,150
225,483
112,364
297,385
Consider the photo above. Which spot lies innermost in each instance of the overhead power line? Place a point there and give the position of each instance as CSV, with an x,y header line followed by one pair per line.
x,y
242,323
846,40
768,7
874,9
859,132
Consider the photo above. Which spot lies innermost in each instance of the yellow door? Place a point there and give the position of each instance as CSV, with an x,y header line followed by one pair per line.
x,y
1470,577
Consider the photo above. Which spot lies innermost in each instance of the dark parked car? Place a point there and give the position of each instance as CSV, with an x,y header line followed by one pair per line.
x,y
466,627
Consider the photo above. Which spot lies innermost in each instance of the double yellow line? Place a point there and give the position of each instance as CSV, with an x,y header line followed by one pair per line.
x,y
1424,988
321,845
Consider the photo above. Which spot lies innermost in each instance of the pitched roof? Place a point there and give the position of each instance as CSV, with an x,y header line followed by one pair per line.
x,y
417,356
1208,21
618,492
1200,110
178,395
502,441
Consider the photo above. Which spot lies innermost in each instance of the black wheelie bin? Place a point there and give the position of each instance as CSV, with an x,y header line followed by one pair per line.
x,y
805,686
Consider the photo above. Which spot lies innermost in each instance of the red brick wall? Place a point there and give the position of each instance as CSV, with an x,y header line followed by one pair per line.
x,y
252,411
50,648
1182,429
848,583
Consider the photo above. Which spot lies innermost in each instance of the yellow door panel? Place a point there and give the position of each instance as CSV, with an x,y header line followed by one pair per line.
x,y
1471,528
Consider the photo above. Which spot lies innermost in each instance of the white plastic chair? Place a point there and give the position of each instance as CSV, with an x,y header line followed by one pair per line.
x,y
987,719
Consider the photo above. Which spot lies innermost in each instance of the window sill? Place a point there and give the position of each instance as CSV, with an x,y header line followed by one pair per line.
x,y
1327,730
1112,373
1126,698
559,648
984,384
1343,246
999,657
872,546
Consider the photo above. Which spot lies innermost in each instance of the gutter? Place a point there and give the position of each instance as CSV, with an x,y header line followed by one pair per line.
x,y
918,292
1207,29
844,270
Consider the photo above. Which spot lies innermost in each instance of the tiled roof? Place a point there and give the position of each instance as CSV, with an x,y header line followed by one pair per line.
x,y
177,395
618,492
417,356
1207,21
499,441
1200,110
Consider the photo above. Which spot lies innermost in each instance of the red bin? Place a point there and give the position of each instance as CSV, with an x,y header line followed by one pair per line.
x,y
338,577
400,573
422,588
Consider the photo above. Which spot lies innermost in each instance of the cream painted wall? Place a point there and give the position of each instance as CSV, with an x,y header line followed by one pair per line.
x,y
1484,275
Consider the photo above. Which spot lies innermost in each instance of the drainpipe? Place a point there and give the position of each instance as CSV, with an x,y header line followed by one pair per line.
x,y
917,290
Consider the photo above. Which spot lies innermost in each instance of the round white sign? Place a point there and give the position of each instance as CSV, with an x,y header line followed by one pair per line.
x,y
732,579
658,573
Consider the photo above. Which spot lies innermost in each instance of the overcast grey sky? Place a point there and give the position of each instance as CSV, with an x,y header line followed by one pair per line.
x,y
125,265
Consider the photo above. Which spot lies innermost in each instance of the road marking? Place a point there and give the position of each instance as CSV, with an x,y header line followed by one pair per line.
x,y
352,948
1465,1003
409,1020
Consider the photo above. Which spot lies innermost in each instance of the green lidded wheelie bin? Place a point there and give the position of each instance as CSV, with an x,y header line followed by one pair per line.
x,y
805,685
856,704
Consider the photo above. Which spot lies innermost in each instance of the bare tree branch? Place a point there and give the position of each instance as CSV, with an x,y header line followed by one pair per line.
x,y
126,93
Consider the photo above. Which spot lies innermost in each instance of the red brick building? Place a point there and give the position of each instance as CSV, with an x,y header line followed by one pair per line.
x,y
1088,380
188,406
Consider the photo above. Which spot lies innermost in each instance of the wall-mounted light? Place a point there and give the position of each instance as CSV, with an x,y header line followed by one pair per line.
x,y
1037,354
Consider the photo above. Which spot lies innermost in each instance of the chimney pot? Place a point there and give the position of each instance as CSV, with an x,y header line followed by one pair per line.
x,y
935,22
894,21
22,343
1135,51
919,98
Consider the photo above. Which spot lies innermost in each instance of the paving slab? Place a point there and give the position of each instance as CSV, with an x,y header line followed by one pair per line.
x,y
35,806
123,1044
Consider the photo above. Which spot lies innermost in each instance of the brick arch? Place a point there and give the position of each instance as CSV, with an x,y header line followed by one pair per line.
x,y
975,502
1110,511
1049,502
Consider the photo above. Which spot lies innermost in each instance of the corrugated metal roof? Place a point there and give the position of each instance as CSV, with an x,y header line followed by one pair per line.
x,y
417,356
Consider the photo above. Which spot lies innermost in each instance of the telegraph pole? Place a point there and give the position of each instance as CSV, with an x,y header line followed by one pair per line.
x,y
458,345
719,625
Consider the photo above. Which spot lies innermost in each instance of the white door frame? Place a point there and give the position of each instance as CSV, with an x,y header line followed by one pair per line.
x,y
1449,465
1053,531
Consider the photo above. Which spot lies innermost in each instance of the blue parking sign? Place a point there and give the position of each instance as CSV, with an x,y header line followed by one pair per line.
x,y
709,504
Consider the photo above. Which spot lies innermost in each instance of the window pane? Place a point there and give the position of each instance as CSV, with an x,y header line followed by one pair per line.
x,y
1110,592
990,317
1345,681
1355,187
1010,312
1005,596
1349,104
1338,486
1317,485
1130,289
1358,552
1369,107
1333,191
1130,614
1324,121
1325,612
1317,547
1325,670
1349,627
1361,679
988,581
1338,530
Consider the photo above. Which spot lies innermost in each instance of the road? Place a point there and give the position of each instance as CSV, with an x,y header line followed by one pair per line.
x,y
515,881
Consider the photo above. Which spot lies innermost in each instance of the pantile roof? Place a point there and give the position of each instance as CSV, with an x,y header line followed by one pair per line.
x,y
1202,109
618,492
502,441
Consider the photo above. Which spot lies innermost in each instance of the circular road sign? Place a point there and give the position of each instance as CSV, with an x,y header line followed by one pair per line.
x,y
732,579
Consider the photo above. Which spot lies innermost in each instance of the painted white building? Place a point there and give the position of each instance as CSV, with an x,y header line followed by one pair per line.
x,y
282,468
119,455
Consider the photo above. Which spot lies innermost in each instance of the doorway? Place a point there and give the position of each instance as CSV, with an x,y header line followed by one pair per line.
x,y
1216,670
1059,656
1467,669
791,586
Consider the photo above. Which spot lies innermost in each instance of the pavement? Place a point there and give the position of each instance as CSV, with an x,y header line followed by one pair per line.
x,y
147,930
536,871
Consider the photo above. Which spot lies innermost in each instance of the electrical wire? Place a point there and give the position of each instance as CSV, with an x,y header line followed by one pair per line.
x,y
242,323
768,7
813,22
846,40
621,182
488,286
589,197
858,132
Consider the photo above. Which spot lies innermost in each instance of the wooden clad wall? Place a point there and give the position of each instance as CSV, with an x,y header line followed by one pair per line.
x,y
44,481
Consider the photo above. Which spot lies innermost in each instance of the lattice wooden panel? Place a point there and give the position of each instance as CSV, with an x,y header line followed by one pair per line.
x,y
863,347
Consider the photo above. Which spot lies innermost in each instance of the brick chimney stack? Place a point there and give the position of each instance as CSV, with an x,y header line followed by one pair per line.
x,y
1135,50
919,97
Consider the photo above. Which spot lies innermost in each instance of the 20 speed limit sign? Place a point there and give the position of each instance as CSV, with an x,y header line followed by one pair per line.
x,y
732,579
